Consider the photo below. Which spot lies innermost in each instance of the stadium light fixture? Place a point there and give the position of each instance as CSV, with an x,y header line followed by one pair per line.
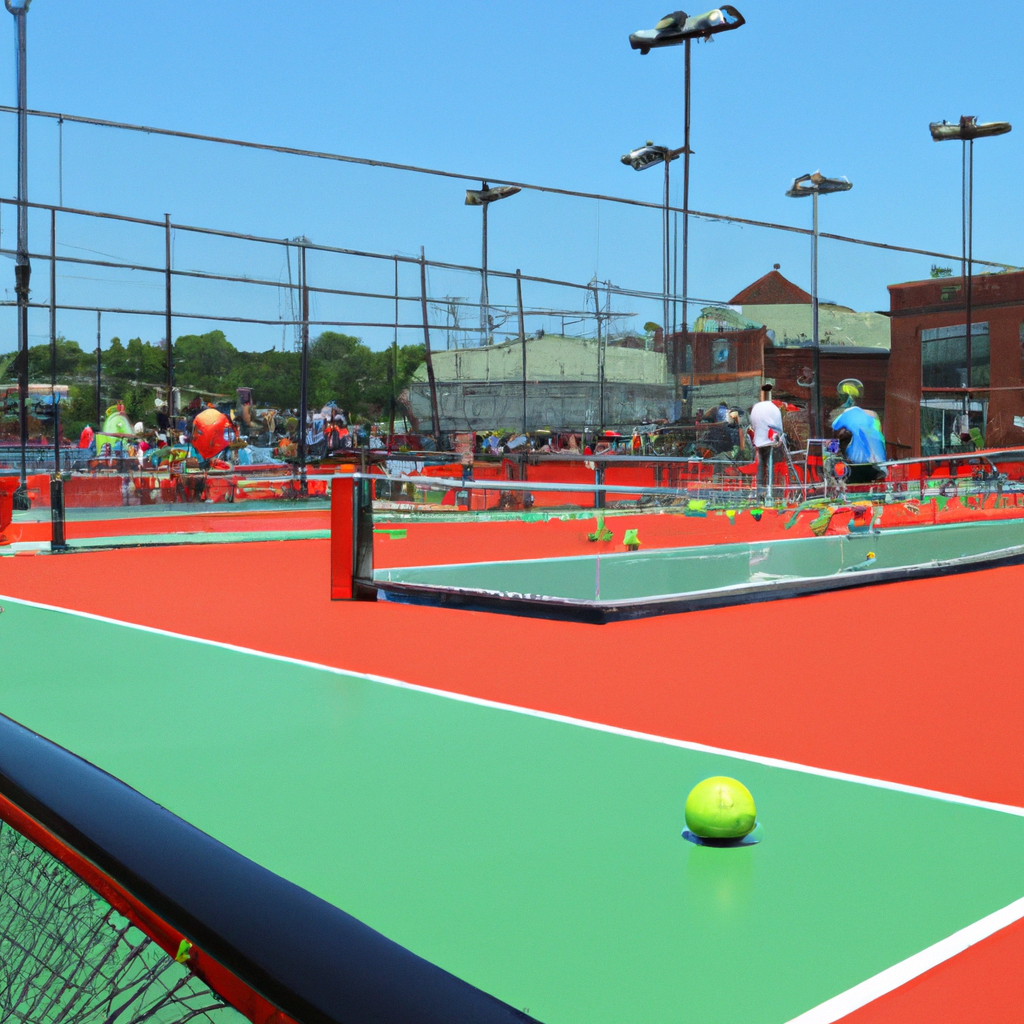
x,y
484,196
640,159
814,185
678,27
674,29
965,131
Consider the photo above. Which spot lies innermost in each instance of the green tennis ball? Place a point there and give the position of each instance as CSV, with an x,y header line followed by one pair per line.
x,y
720,808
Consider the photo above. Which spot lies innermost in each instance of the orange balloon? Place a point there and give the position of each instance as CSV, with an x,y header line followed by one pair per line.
x,y
212,432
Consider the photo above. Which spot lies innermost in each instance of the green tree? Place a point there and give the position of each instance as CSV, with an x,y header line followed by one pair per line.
x,y
204,361
71,360
272,375
115,361
342,369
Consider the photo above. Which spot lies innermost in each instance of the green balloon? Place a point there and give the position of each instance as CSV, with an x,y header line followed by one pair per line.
x,y
720,808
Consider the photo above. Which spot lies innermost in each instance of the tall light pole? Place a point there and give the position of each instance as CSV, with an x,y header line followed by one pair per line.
x,y
650,155
966,131
814,185
484,196
672,30
22,267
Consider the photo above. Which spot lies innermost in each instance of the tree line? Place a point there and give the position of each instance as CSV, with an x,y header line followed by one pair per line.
x,y
341,368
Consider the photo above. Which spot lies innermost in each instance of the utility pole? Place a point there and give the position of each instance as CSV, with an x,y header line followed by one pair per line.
x,y
435,419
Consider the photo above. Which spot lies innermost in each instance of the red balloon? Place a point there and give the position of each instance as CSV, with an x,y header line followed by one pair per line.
x,y
212,432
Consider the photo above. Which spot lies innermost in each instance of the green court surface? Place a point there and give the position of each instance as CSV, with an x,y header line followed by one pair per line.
x,y
632,575
538,859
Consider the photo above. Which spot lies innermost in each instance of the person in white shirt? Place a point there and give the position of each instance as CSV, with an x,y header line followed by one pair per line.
x,y
766,424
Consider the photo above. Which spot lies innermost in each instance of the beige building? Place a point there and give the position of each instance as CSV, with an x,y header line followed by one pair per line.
x,y
482,388
550,358
785,309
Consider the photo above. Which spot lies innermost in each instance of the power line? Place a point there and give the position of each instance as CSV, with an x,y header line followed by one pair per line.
x,y
413,168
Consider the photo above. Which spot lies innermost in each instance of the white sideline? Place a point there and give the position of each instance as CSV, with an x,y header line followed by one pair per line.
x,y
770,762
824,1013
906,970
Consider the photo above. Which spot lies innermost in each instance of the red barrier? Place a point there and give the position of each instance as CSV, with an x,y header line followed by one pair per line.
x,y
342,538
8,485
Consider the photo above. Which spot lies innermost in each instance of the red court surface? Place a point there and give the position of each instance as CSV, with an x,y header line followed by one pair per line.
x,y
893,682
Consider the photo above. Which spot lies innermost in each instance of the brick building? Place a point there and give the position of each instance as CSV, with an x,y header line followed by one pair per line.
x,y
771,339
928,381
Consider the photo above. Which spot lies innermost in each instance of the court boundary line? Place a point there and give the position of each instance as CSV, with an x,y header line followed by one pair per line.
x,y
828,1012
615,730
912,967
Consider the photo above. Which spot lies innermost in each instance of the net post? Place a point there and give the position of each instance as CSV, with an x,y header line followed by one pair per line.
x,y
58,538
343,526
351,539
600,497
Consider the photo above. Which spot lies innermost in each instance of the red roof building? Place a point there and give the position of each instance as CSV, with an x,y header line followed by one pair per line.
x,y
771,290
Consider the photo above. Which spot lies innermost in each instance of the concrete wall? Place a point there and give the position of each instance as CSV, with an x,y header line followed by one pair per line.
x,y
554,405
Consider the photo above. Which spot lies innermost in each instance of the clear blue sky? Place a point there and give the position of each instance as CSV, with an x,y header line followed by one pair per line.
x,y
548,93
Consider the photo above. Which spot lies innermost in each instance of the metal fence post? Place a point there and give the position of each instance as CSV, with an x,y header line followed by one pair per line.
x,y
99,375
600,358
303,371
57,542
435,419
522,338
167,318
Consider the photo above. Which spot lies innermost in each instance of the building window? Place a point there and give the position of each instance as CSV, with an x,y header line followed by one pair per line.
x,y
944,357
947,429
952,422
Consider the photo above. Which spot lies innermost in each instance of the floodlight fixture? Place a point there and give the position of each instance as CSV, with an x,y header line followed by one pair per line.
x,y
817,184
967,129
650,155
640,159
678,27
485,194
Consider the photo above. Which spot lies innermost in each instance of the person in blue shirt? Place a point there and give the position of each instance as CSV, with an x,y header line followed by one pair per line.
x,y
862,443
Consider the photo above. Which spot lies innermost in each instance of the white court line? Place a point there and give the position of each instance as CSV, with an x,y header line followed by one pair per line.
x,y
906,970
583,723
825,1013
